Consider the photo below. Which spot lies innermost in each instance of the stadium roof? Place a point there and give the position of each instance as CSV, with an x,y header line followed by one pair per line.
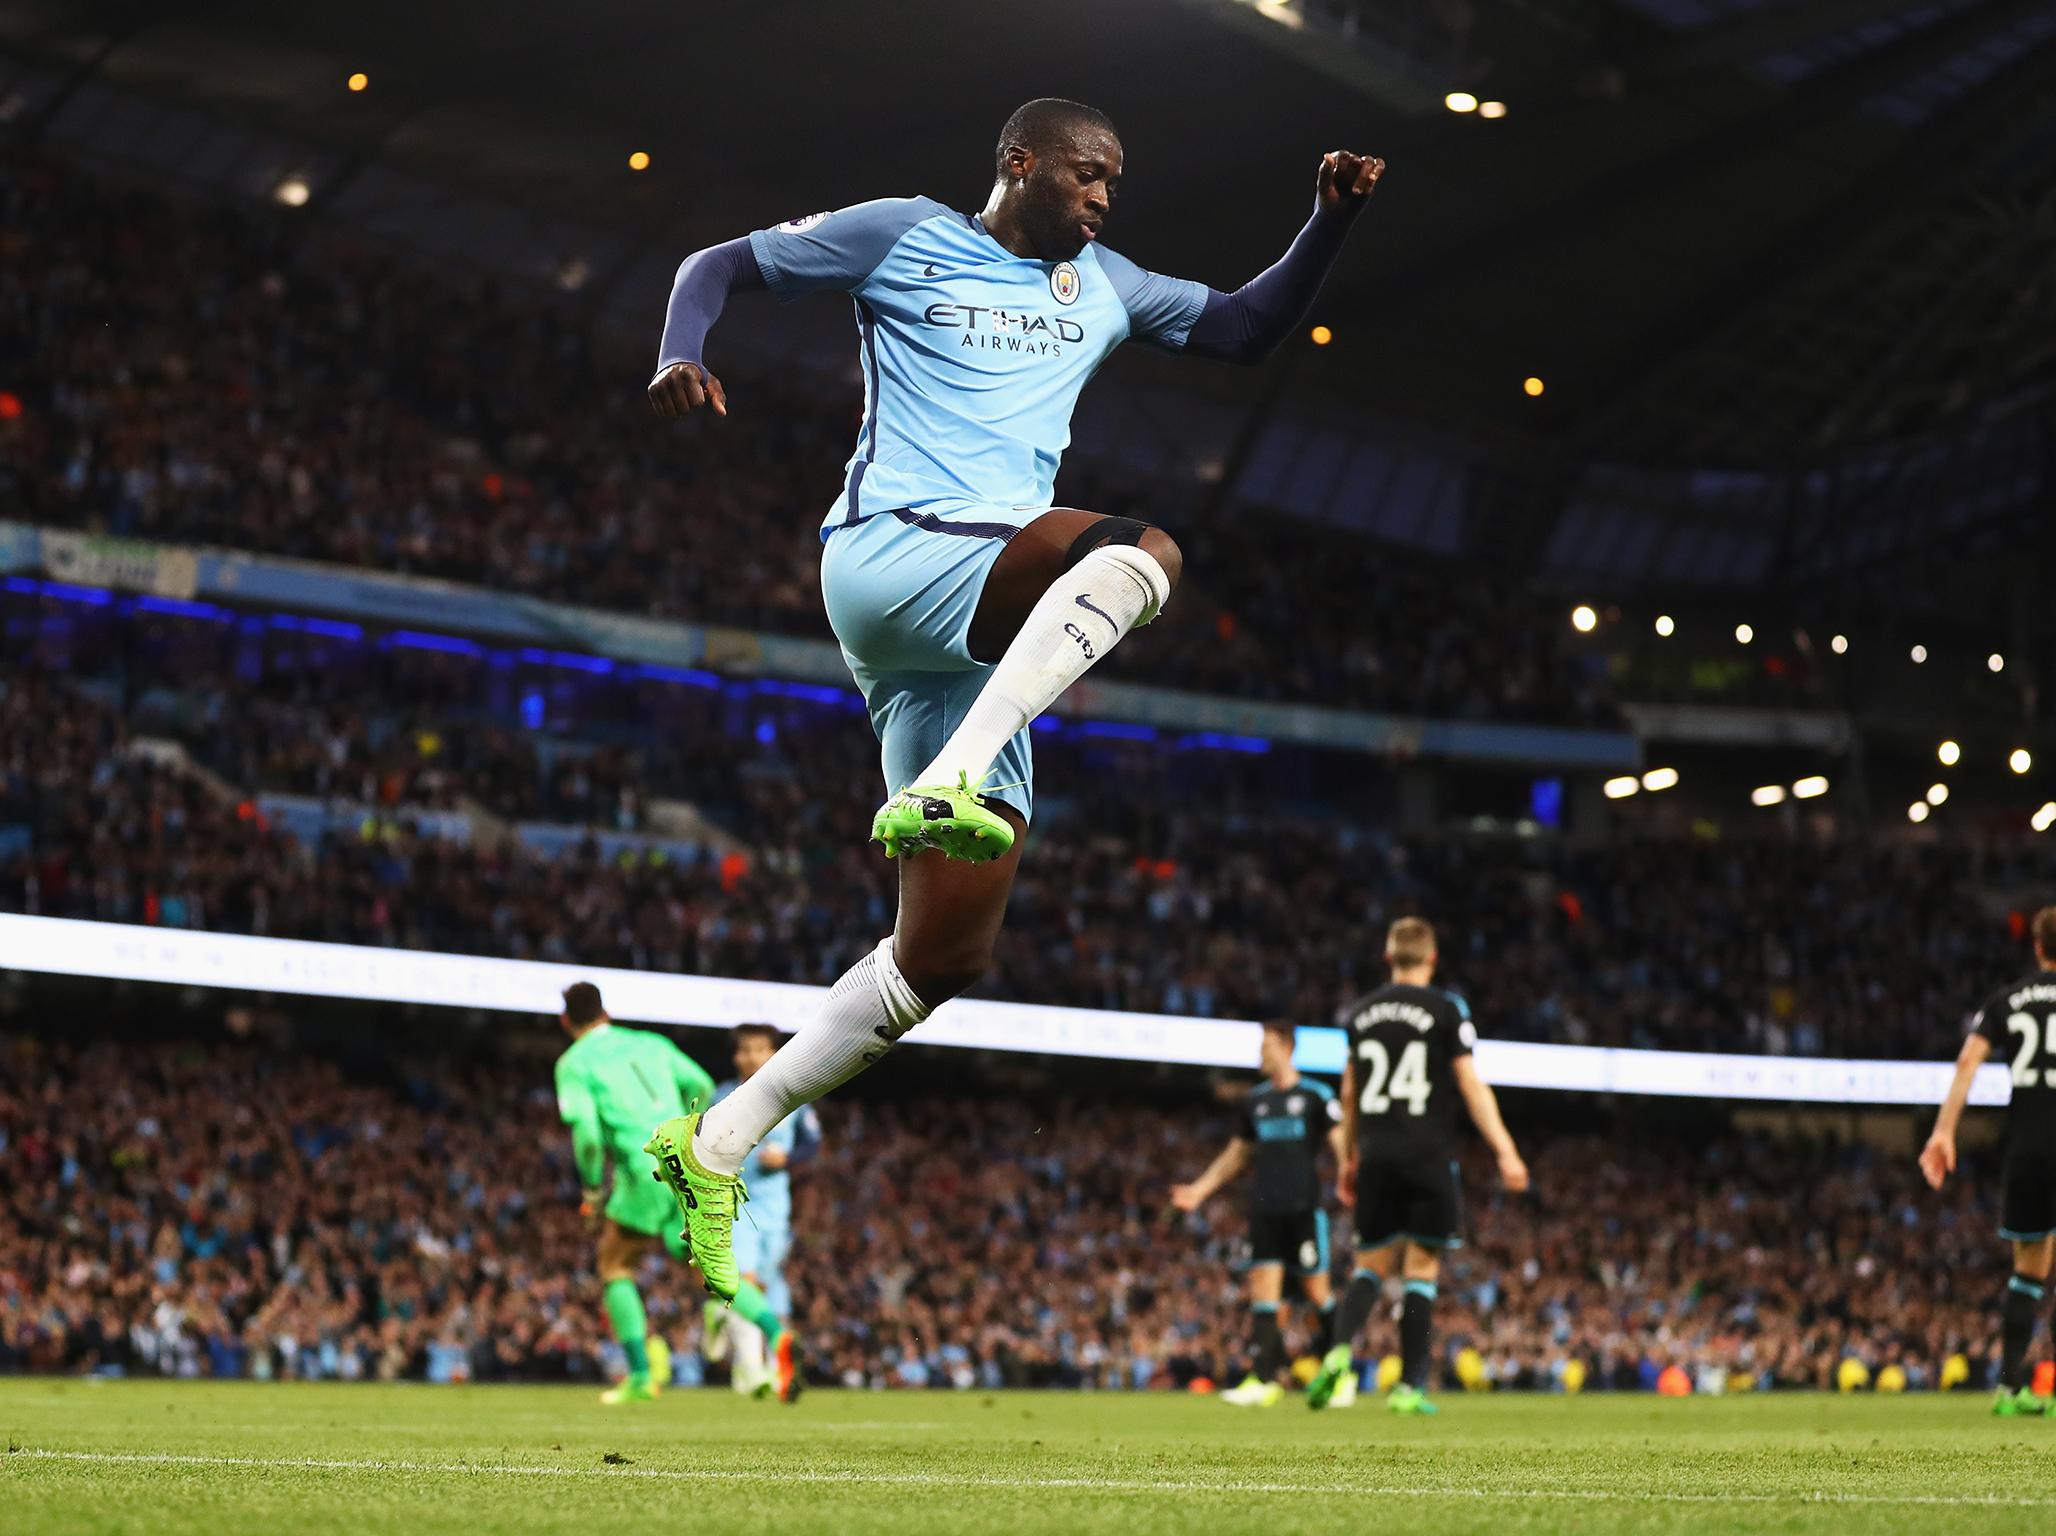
x,y
1789,238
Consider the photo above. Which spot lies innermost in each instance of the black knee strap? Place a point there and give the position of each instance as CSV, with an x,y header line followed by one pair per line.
x,y
1108,530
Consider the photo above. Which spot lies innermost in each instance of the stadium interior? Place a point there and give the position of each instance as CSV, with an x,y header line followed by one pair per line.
x,y
1636,566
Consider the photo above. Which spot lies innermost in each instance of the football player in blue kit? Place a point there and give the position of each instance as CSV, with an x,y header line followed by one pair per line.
x,y
965,602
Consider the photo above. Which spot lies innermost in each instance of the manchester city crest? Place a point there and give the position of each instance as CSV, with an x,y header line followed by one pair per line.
x,y
1063,282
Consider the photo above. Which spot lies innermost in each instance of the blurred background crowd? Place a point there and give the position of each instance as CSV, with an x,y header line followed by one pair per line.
x,y
216,334
214,1207
1258,907
203,373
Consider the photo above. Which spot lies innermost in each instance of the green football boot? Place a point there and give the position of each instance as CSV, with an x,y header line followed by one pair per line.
x,y
1335,1365
957,822
709,1202
630,1391
2021,1404
1406,1399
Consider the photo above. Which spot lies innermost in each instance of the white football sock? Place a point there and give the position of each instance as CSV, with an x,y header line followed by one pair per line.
x,y
1078,620
746,1353
869,1007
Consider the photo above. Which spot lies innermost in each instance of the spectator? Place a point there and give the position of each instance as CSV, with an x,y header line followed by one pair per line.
x,y
1248,909
186,1209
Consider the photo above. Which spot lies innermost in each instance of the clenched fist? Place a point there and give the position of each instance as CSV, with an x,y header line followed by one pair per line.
x,y
683,388
1347,178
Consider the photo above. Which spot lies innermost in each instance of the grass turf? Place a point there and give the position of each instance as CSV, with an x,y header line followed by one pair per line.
x,y
222,1459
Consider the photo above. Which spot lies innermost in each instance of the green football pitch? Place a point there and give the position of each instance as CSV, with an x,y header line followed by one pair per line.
x,y
220,1460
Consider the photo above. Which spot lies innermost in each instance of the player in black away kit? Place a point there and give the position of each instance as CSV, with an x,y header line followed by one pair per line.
x,y
1409,1062
2020,1020
1284,1121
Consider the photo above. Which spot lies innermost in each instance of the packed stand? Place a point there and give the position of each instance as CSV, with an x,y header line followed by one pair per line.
x,y
234,1209
236,378
1252,908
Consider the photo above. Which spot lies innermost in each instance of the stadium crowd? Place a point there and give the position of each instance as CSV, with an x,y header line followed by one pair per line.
x,y
239,378
227,1208
1256,909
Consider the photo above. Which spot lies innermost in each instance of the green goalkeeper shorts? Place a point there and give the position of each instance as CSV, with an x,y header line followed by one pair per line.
x,y
639,1203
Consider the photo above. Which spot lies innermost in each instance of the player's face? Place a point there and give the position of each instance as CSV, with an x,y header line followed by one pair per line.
x,y
1276,1054
751,1052
1068,193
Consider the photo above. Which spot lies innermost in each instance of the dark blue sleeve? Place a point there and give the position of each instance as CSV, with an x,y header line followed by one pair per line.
x,y
1246,326
704,282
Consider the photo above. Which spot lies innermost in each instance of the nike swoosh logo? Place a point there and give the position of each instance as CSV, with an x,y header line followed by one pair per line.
x,y
1086,604
929,270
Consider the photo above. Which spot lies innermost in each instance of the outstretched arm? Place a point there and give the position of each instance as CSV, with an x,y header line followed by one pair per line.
x,y
819,253
575,1105
1247,325
1233,1159
704,282
589,1152
1938,1157
1483,1104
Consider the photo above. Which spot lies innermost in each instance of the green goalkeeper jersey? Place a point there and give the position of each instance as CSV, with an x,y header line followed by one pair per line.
x,y
614,1086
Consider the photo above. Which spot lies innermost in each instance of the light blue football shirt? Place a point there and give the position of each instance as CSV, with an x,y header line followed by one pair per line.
x,y
770,1203
973,357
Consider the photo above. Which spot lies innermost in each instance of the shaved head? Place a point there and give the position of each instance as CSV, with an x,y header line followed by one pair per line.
x,y
1045,124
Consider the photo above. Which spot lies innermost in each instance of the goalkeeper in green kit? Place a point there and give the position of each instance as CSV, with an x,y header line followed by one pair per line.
x,y
612,1085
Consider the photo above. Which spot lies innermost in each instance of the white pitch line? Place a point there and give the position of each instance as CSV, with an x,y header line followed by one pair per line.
x,y
1093,1484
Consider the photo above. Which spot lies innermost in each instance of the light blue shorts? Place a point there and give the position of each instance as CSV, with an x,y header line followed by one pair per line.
x,y
901,588
760,1250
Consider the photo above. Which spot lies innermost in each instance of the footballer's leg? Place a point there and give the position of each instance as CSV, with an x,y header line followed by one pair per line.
x,y
746,1325
714,1320
949,919
1066,590
787,1375
1259,1388
774,1337
1382,1200
1017,591
2024,1293
1318,1286
1319,1290
1422,1269
620,1252
742,1329
766,1353
1057,568
1374,1266
1431,1221
748,1373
